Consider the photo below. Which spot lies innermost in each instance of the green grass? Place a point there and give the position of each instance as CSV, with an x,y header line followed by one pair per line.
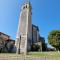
x,y
31,56
53,54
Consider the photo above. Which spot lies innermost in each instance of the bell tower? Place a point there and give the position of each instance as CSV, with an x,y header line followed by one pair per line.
x,y
24,33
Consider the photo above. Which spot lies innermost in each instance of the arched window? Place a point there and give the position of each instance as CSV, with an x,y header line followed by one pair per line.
x,y
26,6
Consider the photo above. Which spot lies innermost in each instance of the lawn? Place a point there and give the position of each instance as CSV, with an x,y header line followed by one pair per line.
x,y
31,56
53,54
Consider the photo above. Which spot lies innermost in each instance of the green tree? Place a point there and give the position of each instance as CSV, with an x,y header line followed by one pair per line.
x,y
54,39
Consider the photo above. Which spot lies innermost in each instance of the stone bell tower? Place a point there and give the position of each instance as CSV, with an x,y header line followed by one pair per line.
x,y
24,33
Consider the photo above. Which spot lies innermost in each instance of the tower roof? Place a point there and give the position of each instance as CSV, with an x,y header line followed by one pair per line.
x,y
26,1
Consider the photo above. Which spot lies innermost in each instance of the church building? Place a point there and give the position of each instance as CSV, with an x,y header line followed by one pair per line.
x,y
27,33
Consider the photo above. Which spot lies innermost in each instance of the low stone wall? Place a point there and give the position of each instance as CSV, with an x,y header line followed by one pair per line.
x,y
21,57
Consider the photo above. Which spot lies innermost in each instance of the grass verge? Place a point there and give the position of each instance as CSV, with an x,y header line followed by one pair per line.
x,y
53,54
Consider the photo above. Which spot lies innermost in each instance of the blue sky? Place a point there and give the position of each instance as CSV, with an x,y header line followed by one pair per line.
x,y
45,14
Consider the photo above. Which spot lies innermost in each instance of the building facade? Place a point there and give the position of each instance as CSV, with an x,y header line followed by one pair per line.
x,y
24,33
35,34
6,43
27,34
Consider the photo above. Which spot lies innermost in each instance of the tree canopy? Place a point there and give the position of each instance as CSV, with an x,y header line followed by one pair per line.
x,y
54,38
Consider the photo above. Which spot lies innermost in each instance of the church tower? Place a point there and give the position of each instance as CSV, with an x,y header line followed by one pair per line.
x,y
24,33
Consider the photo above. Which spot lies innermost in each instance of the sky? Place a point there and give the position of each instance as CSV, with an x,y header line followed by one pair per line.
x,y
45,14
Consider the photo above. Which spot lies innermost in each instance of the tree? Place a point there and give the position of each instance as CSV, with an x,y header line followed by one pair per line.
x,y
35,47
54,39
44,46
9,46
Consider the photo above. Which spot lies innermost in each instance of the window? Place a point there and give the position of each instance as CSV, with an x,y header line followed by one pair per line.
x,y
24,7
